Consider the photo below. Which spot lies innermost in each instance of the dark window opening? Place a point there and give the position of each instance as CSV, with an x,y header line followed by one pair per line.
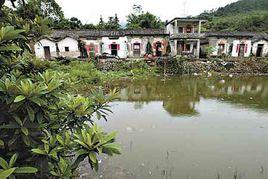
x,y
47,52
187,47
259,50
180,29
67,49
188,29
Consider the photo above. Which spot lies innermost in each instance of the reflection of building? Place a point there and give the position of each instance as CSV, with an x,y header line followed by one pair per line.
x,y
180,95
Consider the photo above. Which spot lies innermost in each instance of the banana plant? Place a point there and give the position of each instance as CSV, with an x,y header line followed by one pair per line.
x,y
9,170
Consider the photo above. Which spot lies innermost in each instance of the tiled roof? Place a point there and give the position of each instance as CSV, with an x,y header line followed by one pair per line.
x,y
188,36
185,19
57,34
236,34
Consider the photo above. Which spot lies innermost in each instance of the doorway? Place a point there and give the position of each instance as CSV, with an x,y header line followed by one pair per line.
x,y
158,49
259,50
114,50
47,52
136,49
241,52
221,49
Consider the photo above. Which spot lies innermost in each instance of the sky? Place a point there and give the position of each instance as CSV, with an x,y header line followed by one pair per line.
x,y
89,11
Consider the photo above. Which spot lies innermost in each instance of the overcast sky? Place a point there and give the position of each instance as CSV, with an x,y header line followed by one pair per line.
x,y
89,11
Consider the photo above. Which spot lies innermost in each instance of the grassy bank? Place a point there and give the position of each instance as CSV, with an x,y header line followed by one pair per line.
x,y
85,76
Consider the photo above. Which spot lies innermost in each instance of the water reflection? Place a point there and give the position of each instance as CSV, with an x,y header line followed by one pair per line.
x,y
189,127
181,94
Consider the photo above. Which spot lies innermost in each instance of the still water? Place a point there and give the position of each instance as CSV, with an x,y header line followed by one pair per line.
x,y
189,127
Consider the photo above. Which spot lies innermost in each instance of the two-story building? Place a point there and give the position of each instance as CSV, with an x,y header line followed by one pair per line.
x,y
185,36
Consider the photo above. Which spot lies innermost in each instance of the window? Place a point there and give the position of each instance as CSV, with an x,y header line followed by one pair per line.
x,y
67,49
188,29
136,46
187,47
180,29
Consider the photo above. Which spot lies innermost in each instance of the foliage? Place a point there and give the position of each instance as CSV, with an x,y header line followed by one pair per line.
x,y
113,23
49,128
209,50
239,7
243,15
43,8
145,20
254,22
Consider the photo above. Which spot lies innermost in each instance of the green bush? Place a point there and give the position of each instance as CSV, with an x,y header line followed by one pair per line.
x,y
45,131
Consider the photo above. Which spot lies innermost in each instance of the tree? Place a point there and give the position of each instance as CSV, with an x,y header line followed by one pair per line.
x,y
113,23
143,20
89,26
45,131
44,8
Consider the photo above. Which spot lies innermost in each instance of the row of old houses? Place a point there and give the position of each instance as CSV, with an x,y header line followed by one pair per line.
x,y
183,36
120,43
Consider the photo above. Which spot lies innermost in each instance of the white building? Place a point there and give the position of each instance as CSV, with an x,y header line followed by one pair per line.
x,y
49,48
45,49
68,47
116,46
241,48
260,48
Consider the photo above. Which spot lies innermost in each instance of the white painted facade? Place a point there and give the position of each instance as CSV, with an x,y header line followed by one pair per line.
x,y
68,47
264,52
237,47
39,48
122,50
221,43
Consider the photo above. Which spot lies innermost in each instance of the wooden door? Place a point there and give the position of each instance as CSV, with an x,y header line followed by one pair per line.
x,y
47,52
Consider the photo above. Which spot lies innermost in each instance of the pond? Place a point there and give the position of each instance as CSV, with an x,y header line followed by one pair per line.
x,y
189,127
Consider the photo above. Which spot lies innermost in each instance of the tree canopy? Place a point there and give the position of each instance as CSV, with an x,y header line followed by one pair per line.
x,y
243,15
139,19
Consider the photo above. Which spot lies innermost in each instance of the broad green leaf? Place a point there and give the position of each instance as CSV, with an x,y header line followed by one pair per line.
x,y
39,151
11,47
93,157
30,113
6,173
54,173
13,160
3,163
26,170
19,98
110,137
111,149
81,152
2,143
26,140
25,131
81,143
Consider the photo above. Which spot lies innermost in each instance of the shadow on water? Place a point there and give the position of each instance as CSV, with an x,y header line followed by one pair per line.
x,y
220,129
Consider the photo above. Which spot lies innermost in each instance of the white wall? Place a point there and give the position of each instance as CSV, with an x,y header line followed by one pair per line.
x,y
68,42
216,47
265,47
73,47
122,41
39,48
170,29
238,42
96,44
